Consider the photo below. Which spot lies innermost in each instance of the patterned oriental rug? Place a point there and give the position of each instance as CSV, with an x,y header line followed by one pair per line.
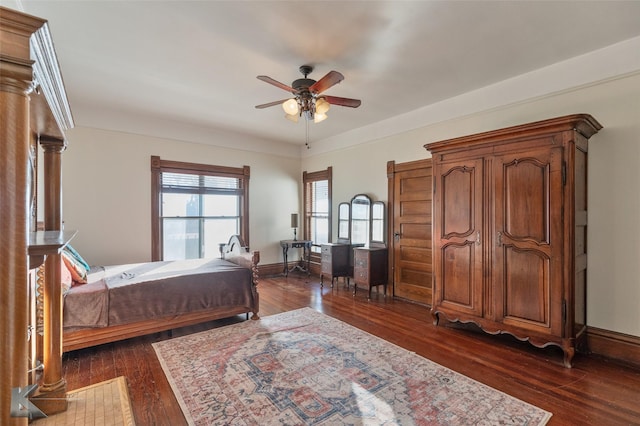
x,y
305,368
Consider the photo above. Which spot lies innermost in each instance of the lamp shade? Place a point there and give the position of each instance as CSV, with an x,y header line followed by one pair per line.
x,y
291,117
319,117
322,106
290,106
294,220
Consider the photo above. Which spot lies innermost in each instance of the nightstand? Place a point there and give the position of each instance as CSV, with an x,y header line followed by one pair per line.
x,y
370,268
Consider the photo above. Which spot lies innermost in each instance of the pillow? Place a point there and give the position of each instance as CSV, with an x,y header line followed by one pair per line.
x,y
76,268
71,251
65,278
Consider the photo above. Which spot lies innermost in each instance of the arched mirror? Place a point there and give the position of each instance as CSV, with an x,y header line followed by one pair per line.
x,y
377,222
360,220
344,218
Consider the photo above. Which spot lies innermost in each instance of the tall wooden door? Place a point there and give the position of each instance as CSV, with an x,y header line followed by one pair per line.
x,y
410,195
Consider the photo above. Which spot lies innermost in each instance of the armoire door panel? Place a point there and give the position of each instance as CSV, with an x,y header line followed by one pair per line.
x,y
458,201
461,284
526,281
526,189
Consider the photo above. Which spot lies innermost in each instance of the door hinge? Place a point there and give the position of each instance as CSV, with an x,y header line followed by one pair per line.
x,y
564,173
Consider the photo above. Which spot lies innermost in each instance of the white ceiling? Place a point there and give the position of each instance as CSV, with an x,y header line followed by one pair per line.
x,y
152,67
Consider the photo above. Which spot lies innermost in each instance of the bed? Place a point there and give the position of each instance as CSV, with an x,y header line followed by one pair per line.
x,y
122,301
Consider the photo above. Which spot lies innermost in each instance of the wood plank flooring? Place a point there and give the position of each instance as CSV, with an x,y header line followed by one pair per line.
x,y
595,391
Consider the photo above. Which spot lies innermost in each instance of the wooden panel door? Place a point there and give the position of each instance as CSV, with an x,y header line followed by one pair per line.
x,y
458,236
410,196
529,239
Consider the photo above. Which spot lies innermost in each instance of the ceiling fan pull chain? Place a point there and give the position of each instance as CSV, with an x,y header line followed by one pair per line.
x,y
307,133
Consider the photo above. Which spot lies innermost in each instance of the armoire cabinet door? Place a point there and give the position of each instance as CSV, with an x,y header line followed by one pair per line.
x,y
458,226
528,239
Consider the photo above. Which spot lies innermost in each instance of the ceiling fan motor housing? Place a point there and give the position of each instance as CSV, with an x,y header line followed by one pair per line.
x,y
302,84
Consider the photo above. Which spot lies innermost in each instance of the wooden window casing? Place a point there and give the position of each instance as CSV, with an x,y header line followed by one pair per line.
x,y
308,178
159,166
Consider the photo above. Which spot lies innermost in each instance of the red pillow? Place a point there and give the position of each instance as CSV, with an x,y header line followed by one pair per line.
x,y
65,278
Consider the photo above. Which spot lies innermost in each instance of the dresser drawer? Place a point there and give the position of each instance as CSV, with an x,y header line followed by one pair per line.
x,y
361,275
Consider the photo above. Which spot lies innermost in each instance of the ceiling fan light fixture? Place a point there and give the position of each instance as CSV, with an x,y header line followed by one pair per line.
x,y
322,106
290,107
308,100
318,117
291,117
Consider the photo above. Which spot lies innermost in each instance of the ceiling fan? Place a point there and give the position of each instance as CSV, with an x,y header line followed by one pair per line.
x,y
308,100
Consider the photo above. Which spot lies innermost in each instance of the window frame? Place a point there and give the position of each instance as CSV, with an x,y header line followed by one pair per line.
x,y
159,166
308,178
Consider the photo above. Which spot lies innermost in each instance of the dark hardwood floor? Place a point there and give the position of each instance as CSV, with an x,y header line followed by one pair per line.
x,y
595,391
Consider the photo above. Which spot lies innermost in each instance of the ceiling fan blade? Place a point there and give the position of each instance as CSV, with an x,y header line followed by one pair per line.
x,y
276,83
347,102
270,104
332,77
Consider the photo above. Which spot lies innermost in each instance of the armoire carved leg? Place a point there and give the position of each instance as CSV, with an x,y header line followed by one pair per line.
x,y
568,347
436,318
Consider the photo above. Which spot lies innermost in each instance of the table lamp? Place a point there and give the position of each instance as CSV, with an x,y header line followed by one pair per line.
x,y
294,225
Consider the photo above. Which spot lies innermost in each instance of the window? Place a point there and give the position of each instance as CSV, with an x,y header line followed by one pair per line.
x,y
317,207
195,207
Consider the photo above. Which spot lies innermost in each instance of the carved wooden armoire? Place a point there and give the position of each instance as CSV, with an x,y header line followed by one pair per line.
x,y
509,230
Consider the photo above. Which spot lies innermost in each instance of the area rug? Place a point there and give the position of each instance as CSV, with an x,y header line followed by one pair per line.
x,y
306,368
103,404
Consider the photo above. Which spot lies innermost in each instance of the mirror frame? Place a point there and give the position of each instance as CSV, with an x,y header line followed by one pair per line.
x,y
361,199
344,209
381,220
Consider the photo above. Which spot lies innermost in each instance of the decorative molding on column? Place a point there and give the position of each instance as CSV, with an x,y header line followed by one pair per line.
x,y
52,145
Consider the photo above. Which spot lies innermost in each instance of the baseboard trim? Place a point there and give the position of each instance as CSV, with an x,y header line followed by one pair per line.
x,y
271,269
614,345
610,344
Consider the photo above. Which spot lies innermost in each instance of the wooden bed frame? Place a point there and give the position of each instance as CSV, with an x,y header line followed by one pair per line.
x,y
234,251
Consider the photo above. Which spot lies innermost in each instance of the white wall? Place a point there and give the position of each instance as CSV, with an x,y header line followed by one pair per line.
x,y
614,182
107,192
106,181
